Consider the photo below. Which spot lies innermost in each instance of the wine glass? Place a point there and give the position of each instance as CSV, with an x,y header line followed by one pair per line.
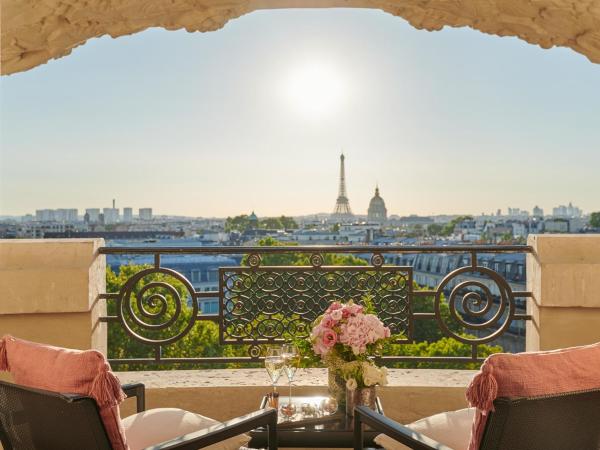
x,y
274,363
290,355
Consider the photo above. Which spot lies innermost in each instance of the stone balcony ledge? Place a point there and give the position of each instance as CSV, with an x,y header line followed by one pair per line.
x,y
225,393
304,378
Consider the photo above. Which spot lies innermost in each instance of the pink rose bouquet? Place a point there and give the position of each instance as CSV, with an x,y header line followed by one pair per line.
x,y
350,326
345,337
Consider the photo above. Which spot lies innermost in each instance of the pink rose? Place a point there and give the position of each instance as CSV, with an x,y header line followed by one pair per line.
x,y
355,309
327,321
334,306
328,338
337,315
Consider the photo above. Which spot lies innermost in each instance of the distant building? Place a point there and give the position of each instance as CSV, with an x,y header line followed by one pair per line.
x,y
316,236
145,213
44,215
127,215
377,211
567,211
57,215
537,211
111,215
413,220
38,230
65,215
517,213
252,221
93,215
576,224
556,226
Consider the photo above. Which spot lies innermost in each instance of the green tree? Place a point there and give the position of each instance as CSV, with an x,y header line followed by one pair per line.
x,y
271,223
242,222
434,229
301,259
288,223
444,347
429,330
449,227
238,223
595,219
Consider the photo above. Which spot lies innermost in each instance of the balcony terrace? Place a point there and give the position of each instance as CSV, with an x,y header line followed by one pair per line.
x,y
54,291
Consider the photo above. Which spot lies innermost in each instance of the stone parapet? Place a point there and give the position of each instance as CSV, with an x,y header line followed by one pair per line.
x,y
50,291
563,274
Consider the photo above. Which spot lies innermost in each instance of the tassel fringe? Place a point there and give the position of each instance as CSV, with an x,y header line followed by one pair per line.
x,y
106,389
483,390
3,356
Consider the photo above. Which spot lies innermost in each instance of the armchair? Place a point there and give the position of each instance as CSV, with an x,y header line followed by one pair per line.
x,y
552,422
35,418
546,400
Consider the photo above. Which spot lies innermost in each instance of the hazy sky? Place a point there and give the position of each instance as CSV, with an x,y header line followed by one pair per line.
x,y
254,116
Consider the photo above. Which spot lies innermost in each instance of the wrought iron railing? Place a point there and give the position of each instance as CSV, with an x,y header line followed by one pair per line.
x,y
261,305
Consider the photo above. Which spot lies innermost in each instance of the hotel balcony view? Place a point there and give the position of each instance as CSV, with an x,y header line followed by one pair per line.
x,y
324,224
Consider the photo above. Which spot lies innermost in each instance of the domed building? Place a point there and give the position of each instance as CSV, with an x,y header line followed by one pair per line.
x,y
253,221
377,211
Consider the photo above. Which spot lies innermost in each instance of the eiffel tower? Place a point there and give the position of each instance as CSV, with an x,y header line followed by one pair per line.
x,y
342,209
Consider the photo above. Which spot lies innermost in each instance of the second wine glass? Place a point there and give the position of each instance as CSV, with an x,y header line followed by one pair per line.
x,y
290,355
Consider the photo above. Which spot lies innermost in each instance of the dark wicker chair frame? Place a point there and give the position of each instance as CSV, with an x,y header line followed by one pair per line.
x,y
555,422
33,419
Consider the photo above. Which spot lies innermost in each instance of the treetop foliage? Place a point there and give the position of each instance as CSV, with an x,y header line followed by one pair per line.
x,y
243,222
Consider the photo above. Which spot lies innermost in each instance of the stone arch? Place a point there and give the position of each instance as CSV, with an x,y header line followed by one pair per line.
x,y
34,31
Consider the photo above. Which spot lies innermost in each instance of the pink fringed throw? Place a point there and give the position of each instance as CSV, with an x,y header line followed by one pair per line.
x,y
67,371
106,388
530,375
3,359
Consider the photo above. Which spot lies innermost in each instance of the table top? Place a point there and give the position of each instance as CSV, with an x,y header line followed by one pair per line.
x,y
313,430
309,415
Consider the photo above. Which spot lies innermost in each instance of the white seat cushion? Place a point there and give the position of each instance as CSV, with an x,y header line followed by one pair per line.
x,y
161,424
452,428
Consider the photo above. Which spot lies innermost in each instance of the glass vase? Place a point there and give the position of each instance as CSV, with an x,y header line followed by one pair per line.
x,y
337,387
366,396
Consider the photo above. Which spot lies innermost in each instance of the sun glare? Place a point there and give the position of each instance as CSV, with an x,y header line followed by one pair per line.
x,y
315,90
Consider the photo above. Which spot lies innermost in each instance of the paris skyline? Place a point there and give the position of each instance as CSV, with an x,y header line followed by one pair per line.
x,y
441,125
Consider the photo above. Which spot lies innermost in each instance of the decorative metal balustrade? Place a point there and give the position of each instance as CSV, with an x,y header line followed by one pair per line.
x,y
261,305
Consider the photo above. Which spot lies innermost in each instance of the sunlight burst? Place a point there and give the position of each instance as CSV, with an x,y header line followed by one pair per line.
x,y
315,90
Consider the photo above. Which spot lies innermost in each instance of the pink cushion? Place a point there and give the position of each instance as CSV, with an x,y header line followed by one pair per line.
x,y
67,371
531,374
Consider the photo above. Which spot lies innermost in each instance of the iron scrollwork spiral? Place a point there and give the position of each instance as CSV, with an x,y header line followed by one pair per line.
x,y
377,260
254,260
472,305
316,260
151,308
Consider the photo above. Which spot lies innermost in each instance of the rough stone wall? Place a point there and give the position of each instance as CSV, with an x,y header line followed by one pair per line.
x,y
35,31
